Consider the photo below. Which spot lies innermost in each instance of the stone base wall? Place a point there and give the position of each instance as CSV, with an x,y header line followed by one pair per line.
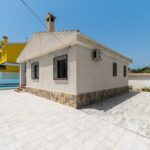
x,y
62,98
78,101
95,97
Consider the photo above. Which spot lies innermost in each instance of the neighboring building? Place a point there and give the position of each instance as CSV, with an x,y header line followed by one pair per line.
x,y
9,68
139,81
72,69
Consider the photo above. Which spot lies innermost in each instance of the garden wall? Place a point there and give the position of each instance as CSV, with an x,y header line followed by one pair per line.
x,y
139,80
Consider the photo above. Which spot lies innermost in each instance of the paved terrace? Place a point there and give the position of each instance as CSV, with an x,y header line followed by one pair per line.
x,y
28,122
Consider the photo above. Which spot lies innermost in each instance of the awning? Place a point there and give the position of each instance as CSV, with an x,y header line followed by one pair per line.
x,y
10,64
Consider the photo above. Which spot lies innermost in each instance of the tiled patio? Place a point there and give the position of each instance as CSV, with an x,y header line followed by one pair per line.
x,y
28,122
129,111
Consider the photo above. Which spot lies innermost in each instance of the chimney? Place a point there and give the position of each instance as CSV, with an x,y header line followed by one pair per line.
x,y
50,20
5,39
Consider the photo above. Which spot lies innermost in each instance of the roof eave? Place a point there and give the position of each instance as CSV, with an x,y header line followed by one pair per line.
x,y
97,44
20,60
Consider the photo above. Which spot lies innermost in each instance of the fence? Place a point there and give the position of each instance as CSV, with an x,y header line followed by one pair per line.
x,y
9,79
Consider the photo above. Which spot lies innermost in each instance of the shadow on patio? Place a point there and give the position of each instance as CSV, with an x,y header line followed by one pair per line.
x,y
110,103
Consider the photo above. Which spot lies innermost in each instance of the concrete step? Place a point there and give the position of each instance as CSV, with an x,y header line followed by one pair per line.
x,y
20,89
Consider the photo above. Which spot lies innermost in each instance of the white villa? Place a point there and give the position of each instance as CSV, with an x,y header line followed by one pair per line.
x,y
71,68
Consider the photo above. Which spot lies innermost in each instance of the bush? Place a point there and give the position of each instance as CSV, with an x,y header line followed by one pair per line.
x,y
130,87
146,89
140,70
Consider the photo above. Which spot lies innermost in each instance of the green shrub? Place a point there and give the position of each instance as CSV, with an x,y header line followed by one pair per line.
x,y
140,70
130,87
146,89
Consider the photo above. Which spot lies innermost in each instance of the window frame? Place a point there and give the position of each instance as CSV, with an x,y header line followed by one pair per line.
x,y
55,67
125,71
33,76
115,69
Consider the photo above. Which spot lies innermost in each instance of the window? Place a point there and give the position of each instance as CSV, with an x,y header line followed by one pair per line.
x,y
60,67
25,67
2,67
124,71
114,69
35,70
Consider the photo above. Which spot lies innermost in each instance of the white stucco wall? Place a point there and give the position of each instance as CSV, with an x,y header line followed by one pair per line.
x,y
46,81
23,74
139,82
84,74
96,76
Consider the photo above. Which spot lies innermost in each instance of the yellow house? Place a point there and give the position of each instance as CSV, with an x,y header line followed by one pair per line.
x,y
9,52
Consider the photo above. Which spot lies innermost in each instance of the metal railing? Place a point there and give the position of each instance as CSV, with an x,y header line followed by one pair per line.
x,y
9,79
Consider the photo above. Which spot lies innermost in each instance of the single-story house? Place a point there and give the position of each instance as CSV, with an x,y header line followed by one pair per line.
x,y
71,68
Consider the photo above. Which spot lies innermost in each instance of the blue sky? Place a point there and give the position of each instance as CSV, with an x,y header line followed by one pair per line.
x,y
123,25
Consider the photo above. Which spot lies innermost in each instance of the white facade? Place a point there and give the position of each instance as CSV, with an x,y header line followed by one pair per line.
x,y
96,76
84,74
46,81
23,74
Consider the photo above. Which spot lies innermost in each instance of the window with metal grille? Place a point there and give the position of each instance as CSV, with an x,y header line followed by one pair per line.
x,y
114,69
35,70
60,67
